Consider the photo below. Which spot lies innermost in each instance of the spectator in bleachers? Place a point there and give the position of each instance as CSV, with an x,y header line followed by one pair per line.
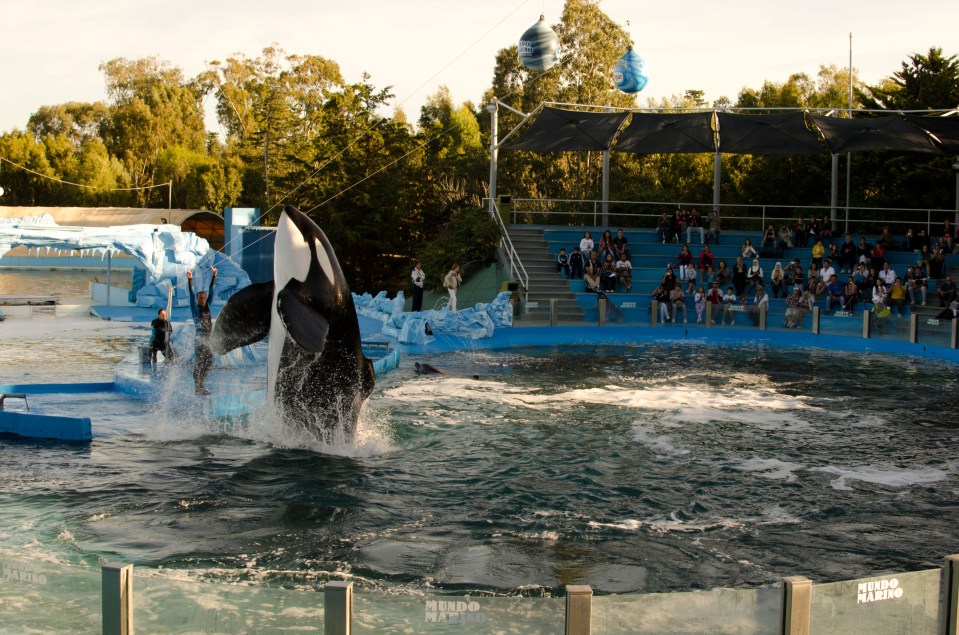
x,y
608,277
685,259
878,257
678,301
621,244
808,300
925,254
586,244
887,275
690,280
863,280
818,253
709,277
669,278
606,246
948,238
834,294
729,301
576,262
816,286
785,238
714,297
739,275
909,241
850,295
864,252
661,295
769,247
699,301
562,263
885,239
827,271
714,222
794,309
664,232
825,228
778,280
801,231
795,276
936,265
897,296
832,252
847,255
754,276
946,292
695,223
624,272
879,295
813,272
723,274
813,232
916,283
749,251
949,313
760,303
592,273
706,258
679,224
922,239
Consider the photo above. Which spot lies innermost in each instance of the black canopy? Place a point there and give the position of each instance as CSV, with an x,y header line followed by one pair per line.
x,y
887,132
945,129
668,133
766,134
558,130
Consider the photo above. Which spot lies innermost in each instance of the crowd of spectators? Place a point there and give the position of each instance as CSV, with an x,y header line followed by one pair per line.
x,y
841,275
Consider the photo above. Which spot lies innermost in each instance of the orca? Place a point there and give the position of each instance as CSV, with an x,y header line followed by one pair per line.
x,y
428,369
318,376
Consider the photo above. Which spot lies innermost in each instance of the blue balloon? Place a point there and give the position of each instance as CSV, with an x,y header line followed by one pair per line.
x,y
539,47
629,72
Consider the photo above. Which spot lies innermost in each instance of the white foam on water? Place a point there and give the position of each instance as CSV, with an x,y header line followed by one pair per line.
x,y
628,524
889,477
662,444
774,469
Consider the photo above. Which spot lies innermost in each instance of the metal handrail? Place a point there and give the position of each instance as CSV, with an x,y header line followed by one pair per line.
x,y
524,207
516,268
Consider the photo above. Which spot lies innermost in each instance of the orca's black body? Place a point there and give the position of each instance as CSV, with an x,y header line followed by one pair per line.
x,y
318,376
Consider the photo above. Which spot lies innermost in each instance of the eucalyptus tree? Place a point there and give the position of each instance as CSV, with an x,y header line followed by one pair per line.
x,y
272,108
152,109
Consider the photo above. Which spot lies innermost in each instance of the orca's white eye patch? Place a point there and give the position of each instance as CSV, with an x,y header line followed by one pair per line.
x,y
323,258
291,253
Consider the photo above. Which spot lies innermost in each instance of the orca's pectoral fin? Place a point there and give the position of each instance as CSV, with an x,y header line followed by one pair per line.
x,y
306,326
244,319
367,377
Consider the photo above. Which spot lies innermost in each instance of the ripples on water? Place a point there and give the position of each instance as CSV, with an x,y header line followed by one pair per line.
x,y
59,283
647,468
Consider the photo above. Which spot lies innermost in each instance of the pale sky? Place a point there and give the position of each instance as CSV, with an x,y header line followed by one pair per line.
x,y
50,49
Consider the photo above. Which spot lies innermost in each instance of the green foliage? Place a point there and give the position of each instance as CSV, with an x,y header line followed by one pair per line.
x,y
469,238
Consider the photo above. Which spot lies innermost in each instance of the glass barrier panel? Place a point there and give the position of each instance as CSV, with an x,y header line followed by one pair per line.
x,y
841,322
897,603
740,611
888,324
935,331
381,614
39,597
162,606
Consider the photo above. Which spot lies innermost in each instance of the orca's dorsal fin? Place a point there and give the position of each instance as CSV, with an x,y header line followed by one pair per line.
x,y
244,319
306,326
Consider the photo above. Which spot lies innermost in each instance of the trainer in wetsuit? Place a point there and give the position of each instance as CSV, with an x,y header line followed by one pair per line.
x,y
160,338
203,356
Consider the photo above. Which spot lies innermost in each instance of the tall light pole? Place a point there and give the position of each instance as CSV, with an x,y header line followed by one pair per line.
x,y
849,154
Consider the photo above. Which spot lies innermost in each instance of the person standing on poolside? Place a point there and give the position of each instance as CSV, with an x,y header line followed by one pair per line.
x,y
452,282
203,320
417,276
160,338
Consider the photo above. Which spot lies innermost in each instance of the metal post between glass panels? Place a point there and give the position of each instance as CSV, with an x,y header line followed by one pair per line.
x,y
653,312
117,598
865,325
552,312
338,608
796,605
913,328
579,608
950,604
815,320
954,333
601,303
709,314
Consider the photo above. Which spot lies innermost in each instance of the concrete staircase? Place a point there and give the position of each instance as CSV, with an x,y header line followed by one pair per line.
x,y
545,283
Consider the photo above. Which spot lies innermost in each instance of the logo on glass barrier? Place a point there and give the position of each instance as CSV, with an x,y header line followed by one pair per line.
x,y
876,590
458,612
19,572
